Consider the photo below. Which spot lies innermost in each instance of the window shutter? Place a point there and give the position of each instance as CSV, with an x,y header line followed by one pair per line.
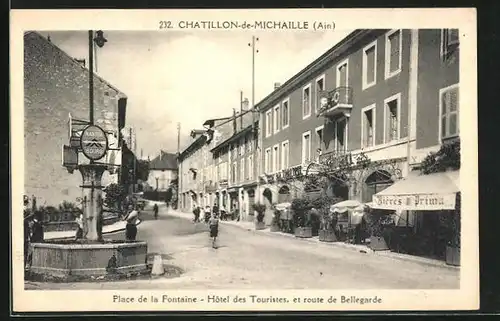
x,y
394,51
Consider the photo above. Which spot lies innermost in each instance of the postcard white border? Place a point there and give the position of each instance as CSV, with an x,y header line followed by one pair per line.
x,y
467,297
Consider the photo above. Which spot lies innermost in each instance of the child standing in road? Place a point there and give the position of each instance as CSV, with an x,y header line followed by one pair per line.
x,y
214,228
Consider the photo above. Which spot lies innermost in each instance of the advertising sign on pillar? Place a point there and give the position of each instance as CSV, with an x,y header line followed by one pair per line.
x,y
94,142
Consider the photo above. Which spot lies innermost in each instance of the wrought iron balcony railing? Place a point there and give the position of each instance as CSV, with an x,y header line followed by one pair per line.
x,y
335,102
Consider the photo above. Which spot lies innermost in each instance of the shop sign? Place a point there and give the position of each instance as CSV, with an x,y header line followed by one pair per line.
x,y
418,202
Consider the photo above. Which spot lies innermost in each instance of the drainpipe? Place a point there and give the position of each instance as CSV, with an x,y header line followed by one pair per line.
x,y
412,96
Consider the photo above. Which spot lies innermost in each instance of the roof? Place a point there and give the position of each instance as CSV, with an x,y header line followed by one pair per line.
x,y
164,161
232,138
196,143
120,93
328,56
211,121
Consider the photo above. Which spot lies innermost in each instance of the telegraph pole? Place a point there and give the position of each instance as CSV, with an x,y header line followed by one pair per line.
x,y
254,113
91,77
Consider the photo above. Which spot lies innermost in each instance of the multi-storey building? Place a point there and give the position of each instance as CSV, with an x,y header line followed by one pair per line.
x,y
234,159
162,171
196,171
373,105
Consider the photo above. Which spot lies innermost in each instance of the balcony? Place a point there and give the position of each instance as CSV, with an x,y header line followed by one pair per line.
x,y
336,103
336,159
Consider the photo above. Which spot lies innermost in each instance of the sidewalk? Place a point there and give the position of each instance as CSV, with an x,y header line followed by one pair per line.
x,y
107,229
250,226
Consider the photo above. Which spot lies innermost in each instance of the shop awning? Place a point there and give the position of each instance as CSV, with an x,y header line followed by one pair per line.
x,y
431,192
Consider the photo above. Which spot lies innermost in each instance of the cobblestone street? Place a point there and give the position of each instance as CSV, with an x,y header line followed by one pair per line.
x,y
247,260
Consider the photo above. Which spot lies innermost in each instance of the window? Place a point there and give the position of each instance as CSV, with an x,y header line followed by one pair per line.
x,y
277,119
448,112
234,172
306,101
242,170
343,74
370,65
393,46
267,161
276,158
249,144
285,118
306,147
392,116
269,124
285,155
449,42
250,167
318,141
223,171
320,86
368,126
243,144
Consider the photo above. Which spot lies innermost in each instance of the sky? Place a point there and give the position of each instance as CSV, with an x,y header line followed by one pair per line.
x,y
188,77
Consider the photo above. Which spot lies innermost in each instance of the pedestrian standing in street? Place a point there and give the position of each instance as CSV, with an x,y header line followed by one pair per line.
x,y
196,213
214,229
131,227
79,230
155,210
208,212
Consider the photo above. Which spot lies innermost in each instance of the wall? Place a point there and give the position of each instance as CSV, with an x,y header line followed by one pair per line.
x,y
434,74
54,86
165,177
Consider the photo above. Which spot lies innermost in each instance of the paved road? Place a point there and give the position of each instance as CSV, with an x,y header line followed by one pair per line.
x,y
246,260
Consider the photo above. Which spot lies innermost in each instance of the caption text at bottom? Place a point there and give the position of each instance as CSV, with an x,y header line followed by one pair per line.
x,y
244,299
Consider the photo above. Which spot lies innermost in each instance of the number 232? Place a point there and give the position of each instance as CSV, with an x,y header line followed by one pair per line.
x,y
165,24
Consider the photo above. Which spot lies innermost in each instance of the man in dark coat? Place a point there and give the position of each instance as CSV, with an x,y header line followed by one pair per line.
x,y
37,229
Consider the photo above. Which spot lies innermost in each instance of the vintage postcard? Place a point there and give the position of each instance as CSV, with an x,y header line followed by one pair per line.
x,y
244,160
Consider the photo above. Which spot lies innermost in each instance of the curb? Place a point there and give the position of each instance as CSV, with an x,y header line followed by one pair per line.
x,y
103,233
387,254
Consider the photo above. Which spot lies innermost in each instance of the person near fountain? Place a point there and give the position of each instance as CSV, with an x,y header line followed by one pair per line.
x,y
131,227
79,230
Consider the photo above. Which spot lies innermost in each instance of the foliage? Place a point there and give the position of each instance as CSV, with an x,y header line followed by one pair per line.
x,y
69,207
374,220
142,169
448,156
301,208
260,209
323,204
276,217
115,196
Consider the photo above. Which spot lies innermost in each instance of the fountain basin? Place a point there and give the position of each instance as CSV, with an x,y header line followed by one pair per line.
x,y
64,258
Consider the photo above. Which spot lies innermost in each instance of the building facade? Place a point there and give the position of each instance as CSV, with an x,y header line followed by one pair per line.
x,y
370,109
55,95
234,160
197,175
163,171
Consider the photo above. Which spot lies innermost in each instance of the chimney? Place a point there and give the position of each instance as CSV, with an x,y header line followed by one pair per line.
x,y
235,114
277,85
245,104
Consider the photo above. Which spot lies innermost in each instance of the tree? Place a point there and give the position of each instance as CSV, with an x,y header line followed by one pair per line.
x,y
115,196
142,170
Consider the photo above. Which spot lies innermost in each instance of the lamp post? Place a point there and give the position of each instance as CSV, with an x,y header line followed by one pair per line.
x,y
92,172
